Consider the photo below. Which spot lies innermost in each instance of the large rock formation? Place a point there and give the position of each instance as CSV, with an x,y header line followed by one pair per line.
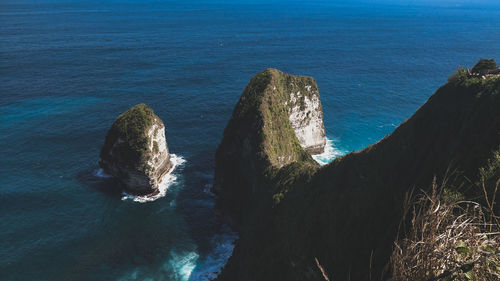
x,y
135,150
305,112
299,221
278,121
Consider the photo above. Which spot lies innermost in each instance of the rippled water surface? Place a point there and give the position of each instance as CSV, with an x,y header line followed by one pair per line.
x,y
68,68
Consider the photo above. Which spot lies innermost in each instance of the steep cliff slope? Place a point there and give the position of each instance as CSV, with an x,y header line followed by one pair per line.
x,y
344,217
277,121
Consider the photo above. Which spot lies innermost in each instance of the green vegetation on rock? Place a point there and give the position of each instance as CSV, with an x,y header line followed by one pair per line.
x,y
259,140
484,65
135,150
345,216
130,127
449,239
479,76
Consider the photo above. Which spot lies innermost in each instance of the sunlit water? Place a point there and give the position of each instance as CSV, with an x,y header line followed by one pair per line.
x,y
69,68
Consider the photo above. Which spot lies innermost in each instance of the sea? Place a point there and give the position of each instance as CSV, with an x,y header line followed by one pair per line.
x,y
69,68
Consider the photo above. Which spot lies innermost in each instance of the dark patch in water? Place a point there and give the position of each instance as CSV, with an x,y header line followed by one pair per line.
x,y
108,186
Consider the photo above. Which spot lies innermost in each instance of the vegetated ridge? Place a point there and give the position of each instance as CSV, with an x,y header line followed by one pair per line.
x,y
300,221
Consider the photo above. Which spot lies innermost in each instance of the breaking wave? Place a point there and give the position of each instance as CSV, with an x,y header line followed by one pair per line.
x,y
181,265
328,154
210,266
167,180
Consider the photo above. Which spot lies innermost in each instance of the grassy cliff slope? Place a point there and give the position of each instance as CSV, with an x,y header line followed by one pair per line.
x,y
344,217
258,141
131,126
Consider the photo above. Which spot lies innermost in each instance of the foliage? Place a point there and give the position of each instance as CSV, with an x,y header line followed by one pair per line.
x,y
258,141
490,84
279,140
155,147
458,77
286,178
346,214
131,127
484,65
448,241
489,183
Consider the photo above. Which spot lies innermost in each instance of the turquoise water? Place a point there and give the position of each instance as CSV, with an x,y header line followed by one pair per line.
x,y
68,68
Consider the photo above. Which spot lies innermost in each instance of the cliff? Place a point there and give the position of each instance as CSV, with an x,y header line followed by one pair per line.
x,y
135,150
298,220
277,121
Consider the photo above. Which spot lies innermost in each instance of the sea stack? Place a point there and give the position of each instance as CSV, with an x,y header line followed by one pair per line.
x,y
135,150
277,122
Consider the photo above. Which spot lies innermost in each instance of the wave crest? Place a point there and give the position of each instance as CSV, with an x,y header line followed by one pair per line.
x,y
328,154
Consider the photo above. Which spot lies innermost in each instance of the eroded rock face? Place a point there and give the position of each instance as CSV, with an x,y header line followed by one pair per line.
x,y
135,150
306,118
277,122
298,221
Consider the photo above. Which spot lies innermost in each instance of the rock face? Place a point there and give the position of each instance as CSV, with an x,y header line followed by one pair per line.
x,y
306,116
299,221
135,150
277,121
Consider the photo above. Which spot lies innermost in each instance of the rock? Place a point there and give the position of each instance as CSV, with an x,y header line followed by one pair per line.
x,y
298,221
306,115
277,121
135,150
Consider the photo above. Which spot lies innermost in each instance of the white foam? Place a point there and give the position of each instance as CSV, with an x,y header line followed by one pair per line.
x,y
101,174
328,154
182,265
167,180
178,266
387,125
211,266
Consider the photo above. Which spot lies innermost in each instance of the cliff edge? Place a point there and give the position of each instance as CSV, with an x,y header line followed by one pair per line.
x,y
299,221
277,121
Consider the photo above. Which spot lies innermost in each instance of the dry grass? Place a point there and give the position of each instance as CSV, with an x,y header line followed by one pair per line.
x,y
323,272
448,241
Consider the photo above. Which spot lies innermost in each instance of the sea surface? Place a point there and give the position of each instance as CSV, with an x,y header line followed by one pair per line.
x,y
69,68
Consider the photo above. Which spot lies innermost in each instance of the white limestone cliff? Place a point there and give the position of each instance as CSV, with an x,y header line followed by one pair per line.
x,y
306,118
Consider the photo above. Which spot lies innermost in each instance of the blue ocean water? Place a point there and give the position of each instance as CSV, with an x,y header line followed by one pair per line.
x,y
68,68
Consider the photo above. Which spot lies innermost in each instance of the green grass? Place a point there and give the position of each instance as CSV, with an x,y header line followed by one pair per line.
x,y
155,147
259,141
345,214
131,127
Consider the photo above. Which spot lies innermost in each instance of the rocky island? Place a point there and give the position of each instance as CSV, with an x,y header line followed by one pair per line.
x,y
277,121
300,221
135,150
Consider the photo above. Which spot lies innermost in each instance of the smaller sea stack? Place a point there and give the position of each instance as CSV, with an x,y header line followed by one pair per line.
x,y
135,150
